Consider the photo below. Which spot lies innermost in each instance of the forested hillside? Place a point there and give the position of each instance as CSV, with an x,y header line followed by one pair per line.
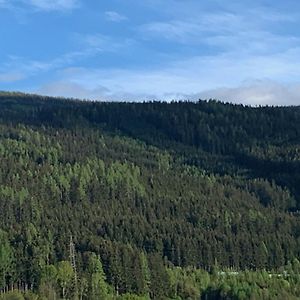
x,y
161,200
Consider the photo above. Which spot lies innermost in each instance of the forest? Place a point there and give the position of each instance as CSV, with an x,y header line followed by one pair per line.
x,y
153,200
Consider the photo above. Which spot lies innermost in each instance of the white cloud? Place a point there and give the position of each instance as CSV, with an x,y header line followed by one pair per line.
x,y
175,30
41,5
70,89
114,16
104,42
49,5
254,93
193,29
242,31
213,76
17,68
11,76
238,44
6,4
28,68
195,74
264,92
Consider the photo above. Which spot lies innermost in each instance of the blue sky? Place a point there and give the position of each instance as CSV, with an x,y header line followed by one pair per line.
x,y
238,51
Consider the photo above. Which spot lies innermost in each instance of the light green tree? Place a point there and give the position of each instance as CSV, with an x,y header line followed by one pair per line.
x,y
65,275
98,287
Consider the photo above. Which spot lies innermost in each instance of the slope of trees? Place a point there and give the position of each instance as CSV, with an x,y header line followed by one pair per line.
x,y
157,197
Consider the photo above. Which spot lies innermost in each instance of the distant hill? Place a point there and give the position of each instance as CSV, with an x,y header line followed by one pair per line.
x,y
181,183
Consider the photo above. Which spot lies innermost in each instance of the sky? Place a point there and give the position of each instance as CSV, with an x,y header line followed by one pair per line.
x,y
137,50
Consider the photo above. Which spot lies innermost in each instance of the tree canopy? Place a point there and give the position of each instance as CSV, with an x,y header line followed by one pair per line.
x,y
160,198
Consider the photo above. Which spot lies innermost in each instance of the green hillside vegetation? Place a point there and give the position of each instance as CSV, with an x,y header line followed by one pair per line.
x,y
173,200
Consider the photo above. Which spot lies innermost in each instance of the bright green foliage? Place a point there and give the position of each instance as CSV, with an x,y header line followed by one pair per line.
x,y
12,296
98,286
131,297
49,280
65,276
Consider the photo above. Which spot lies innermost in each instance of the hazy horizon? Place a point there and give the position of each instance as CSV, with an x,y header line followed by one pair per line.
x,y
152,50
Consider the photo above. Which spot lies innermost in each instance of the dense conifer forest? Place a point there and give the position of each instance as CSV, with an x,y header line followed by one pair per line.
x,y
180,200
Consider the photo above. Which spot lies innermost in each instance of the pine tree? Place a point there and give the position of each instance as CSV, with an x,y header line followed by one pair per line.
x,y
6,256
